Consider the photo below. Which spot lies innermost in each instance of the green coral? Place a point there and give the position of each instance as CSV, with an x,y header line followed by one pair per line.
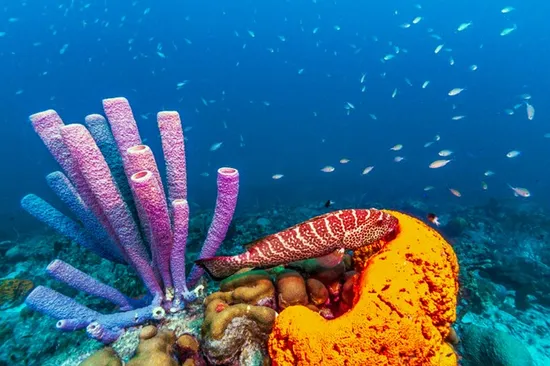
x,y
491,347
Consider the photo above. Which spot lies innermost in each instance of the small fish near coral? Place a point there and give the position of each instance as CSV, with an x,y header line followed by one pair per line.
x,y
317,237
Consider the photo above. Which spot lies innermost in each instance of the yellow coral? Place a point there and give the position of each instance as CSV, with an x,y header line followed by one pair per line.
x,y
404,305
155,351
13,291
252,287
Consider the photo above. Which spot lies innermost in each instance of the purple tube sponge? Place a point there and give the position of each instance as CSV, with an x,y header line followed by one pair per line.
x,y
140,157
48,126
101,132
64,189
180,211
123,124
95,162
57,305
228,190
173,146
62,224
81,281
98,176
107,328
150,198
103,334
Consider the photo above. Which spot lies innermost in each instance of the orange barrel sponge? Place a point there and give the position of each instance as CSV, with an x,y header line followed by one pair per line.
x,y
404,305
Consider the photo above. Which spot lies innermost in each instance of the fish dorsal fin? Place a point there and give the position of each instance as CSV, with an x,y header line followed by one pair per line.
x,y
253,243
310,220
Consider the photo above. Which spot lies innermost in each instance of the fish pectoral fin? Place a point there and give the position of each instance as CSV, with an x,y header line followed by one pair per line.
x,y
332,259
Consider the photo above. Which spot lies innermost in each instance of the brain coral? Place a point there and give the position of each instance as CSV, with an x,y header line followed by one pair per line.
x,y
404,306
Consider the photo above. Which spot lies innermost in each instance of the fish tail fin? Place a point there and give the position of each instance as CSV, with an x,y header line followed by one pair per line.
x,y
219,267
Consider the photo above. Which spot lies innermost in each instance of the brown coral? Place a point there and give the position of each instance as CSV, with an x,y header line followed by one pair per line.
x,y
252,287
404,305
187,350
13,291
318,293
104,357
155,351
291,289
235,333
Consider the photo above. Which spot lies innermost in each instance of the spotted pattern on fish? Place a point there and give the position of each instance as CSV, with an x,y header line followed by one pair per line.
x,y
319,236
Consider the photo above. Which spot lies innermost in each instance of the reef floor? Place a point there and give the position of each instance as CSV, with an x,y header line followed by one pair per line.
x,y
501,247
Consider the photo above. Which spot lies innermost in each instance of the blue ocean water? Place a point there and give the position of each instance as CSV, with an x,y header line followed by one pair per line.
x,y
288,88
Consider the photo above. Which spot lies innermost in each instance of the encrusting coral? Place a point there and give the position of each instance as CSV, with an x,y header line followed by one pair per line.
x,y
13,291
291,289
403,308
156,350
104,357
251,287
235,334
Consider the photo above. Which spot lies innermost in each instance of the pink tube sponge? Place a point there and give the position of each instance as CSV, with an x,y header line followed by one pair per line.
x,y
173,146
47,125
95,170
180,211
151,199
228,190
140,157
123,124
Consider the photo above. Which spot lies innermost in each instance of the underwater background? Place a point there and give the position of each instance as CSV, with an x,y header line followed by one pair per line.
x,y
343,104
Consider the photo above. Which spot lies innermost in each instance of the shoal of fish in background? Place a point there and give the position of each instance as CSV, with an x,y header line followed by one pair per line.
x,y
444,158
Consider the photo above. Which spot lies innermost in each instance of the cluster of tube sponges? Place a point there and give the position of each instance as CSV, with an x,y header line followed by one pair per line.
x,y
112,186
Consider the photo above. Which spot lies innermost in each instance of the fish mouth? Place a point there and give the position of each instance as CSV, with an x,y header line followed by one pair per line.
x,y
394,229
392,234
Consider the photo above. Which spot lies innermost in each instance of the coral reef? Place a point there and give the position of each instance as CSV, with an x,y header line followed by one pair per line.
x,y
484,346
155,350
291,289
249,287
104,357
13,292
235,333
112,186
404,304
502,247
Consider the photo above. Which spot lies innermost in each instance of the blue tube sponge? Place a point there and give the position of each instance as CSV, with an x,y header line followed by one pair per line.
x,y
81,281
58,306
47,214
101,132
64,189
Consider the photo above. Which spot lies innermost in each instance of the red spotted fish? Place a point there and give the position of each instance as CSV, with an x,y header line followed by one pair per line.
x,y
314,238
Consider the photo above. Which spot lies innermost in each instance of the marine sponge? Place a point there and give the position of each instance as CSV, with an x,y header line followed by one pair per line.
x,y
235,334
404,305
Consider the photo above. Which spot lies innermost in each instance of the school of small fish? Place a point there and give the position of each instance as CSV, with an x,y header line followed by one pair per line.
x,y
386,53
